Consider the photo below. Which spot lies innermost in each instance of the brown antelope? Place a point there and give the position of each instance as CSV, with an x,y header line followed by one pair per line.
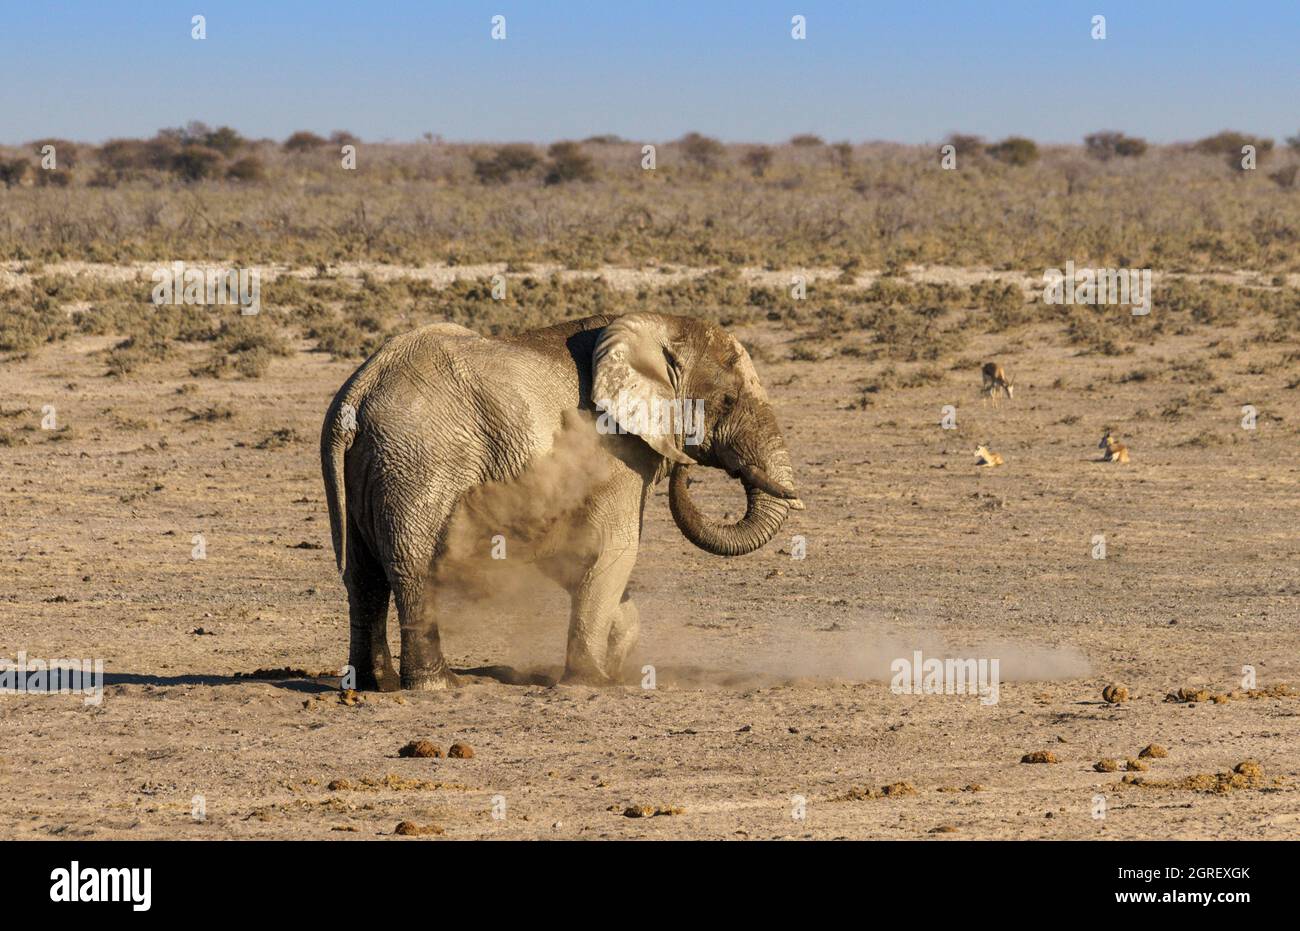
x,y
1115,450
995,380
987,458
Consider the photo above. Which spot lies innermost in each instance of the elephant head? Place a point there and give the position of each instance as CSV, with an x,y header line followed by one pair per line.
x,y
720,416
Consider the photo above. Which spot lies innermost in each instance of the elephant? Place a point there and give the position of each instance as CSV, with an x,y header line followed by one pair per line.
x,y
440,414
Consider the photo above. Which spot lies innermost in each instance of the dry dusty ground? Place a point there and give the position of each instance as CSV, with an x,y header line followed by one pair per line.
x,y
772,672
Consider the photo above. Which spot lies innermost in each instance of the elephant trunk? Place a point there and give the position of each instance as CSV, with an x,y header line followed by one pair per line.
x,y
764,470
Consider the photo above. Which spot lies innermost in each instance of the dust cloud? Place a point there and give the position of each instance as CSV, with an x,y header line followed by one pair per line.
x,y
507,543
812,657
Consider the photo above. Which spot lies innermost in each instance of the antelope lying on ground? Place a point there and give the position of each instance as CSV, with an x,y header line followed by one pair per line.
x,y
995,380
1115,450
987,458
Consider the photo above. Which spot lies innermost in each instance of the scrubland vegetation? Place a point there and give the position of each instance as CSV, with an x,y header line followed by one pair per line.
x,y
202,193
701,225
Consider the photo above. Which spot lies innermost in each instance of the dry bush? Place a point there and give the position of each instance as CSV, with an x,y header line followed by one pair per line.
x,y
1014,150
303,141
1107,145
224,140
569,163
505,163
26,324
1285,177
249,168
418,203
66,153
197,163
704,152
757,159
1230,142
14,171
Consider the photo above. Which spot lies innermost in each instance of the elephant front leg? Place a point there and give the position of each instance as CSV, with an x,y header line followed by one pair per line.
x,y
595,617
623,636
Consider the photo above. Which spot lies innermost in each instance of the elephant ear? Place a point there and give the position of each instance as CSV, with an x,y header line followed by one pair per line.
x,y
634,372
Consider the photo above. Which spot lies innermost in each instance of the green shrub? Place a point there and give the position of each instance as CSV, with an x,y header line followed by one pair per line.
x,y
1004,302
569,163
702,151
25,325
1106,145
505,163
1229,143
197,163
126,158
966,144
1014,150
225,140
13,171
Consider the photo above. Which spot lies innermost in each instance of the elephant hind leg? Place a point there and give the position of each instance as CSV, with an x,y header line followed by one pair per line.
x,y
368,594
424,668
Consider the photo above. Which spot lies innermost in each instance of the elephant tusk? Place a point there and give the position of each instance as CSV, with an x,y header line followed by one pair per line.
x,y
760,479
754,475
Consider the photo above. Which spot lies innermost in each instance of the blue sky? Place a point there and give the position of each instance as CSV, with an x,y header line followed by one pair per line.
x,y
909,71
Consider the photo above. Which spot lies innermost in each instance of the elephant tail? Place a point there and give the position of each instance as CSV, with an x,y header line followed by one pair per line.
x,y
337,434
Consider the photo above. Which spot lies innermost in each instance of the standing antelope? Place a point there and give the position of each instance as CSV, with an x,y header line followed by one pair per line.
x,y
1115,450
995,380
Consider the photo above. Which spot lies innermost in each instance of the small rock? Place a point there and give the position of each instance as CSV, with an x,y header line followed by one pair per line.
x,y
1153,751
1040,756
460,751
1114,694
1106,766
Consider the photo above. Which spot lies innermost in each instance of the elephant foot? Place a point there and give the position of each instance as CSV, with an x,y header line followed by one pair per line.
x,y
430,681
585,676
380,680
623,638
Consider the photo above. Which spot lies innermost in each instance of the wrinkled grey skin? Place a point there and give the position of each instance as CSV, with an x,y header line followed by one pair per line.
x,y
439,411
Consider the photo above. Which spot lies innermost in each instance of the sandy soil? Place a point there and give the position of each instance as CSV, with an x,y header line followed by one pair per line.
x,y
772,672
